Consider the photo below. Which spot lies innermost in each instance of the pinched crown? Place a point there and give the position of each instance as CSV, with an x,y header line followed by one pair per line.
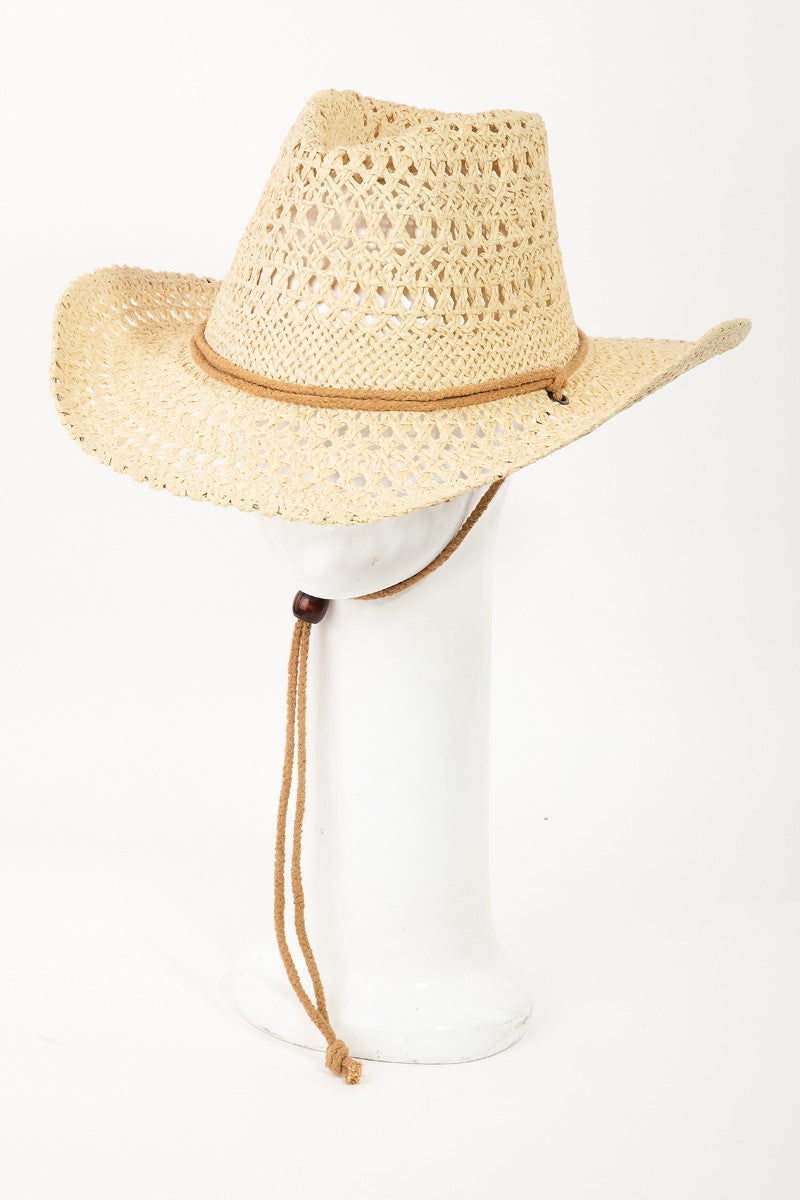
x,y
399,248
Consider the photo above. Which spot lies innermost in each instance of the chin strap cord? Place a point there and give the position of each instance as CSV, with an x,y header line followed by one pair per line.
x,y
309,610
337,1056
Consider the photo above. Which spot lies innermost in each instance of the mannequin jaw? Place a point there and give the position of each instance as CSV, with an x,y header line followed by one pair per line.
x,y
341,561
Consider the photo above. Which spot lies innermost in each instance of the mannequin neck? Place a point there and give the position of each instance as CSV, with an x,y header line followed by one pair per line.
x,y
398,720
395,853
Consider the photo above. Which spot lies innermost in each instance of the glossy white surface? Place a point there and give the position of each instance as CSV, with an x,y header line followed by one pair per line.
x,y
352,560
395,841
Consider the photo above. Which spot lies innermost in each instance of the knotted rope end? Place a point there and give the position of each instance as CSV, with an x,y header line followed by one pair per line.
x,y
338,1060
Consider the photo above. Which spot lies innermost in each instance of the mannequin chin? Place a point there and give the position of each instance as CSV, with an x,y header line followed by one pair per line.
x,y
341,561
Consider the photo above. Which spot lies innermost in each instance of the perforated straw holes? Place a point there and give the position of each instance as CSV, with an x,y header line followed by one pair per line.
x,y
392,248
397,258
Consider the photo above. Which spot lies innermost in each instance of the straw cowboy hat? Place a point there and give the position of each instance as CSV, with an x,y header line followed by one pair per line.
x,y
395,329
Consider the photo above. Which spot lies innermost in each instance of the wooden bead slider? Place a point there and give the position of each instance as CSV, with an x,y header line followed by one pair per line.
x,y
309,608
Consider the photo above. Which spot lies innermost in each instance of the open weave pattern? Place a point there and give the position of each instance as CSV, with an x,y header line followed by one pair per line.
x,y
129,392
394,249
397,247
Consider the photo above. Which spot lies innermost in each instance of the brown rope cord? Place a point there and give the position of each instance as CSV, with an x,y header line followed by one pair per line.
x,y
337,1054
337,1057
451,547
549,379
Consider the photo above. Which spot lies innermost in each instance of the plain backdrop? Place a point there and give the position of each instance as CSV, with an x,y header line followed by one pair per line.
x,y
644,821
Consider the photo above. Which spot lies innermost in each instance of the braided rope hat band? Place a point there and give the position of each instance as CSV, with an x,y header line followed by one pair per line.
x,y
395,329
550,379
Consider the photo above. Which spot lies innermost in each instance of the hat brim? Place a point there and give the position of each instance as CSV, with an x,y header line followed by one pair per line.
x,y
128,390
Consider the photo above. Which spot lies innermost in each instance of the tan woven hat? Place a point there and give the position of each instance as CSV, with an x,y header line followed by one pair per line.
x,y
395,329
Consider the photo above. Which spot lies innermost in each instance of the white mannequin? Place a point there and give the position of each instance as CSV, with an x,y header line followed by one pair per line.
x,y
395,839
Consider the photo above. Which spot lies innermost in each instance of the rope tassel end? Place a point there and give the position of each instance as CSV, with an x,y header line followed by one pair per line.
x,y
338,1060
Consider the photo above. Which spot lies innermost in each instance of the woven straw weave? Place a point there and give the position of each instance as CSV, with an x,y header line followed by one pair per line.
x,y
393,249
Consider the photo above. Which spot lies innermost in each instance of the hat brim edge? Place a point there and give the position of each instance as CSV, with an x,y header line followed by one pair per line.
x,y
108,311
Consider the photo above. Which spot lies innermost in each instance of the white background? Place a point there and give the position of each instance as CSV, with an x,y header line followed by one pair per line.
x,y
645,757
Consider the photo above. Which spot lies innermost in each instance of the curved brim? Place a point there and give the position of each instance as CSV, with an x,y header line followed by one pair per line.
x,y
129,391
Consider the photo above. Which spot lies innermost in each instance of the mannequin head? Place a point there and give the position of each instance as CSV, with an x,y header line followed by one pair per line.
x,y
340,561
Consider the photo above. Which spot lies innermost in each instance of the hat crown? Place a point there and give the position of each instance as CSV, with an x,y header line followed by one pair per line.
x,y
399,248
